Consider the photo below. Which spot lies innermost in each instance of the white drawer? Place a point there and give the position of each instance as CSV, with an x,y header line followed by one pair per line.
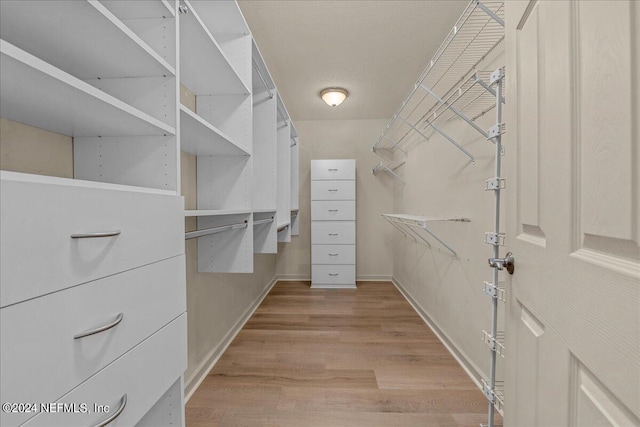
x,y
333,169
38,218
143,374
333,232
40,358
333,190
333,274
333,254
330,210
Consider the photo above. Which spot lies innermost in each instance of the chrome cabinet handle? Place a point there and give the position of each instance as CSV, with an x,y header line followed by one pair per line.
x,y
333,189
333,234
333,254
333,170
333,274
333,210
96,234
116,414
100,328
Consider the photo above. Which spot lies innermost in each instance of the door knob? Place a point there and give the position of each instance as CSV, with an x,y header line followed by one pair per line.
x,y
508,262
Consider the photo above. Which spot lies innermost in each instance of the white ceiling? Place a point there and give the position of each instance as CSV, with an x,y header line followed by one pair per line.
x,y
374,49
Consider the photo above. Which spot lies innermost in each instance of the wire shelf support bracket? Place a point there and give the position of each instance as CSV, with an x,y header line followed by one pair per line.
x,y
390,169
420,222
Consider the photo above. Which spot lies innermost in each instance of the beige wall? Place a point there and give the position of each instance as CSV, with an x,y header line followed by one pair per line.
x,y
31,150
343,139
442,182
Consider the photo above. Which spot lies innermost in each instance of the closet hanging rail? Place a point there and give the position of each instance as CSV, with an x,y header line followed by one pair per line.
x,y
420,222
214,230
283,227
450,83
263,221
264,82
390,169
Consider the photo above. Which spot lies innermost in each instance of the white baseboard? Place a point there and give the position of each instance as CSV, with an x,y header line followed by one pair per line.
x,y
359,278
201,372
471,369
294,277
373,278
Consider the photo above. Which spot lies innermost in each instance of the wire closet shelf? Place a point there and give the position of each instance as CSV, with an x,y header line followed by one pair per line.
x,y
451,86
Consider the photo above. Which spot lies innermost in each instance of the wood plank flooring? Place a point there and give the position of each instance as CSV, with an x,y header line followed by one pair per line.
x,y
330,358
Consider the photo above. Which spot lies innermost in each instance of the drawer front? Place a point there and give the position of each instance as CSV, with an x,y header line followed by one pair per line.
x,y
333,274
329,210
333,232
333,169
143,374
333,190
37,336
38,254
333,254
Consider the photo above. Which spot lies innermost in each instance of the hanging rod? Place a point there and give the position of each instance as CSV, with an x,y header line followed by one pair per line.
x,y
283,227
262,221
389,170
421,223
264,82
214,230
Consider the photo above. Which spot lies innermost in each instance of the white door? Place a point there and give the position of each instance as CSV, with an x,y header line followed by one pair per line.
x,y
573,191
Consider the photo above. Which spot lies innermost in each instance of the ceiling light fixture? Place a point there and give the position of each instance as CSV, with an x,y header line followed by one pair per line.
x,y
334,96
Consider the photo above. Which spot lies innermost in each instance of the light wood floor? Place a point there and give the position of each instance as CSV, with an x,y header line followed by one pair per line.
x,y
332,358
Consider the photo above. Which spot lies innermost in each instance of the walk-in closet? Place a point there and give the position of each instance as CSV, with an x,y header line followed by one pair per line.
x,y
322,213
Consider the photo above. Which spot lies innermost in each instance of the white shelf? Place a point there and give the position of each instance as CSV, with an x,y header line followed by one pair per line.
x,y
201,138
449,86
79,183
140,9
406,223
223,17
83,38
261,211
38,94
201,58
215,212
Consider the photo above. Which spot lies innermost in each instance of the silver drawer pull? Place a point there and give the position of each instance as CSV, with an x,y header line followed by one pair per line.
x,y
333,254
96,234
333,210
123,403
333,234
333,274
333,170
100,328
333,189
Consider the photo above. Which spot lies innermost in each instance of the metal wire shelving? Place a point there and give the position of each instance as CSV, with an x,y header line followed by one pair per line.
x,y
450,86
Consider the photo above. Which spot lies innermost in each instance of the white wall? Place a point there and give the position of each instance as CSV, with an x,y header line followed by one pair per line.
x,y
343,139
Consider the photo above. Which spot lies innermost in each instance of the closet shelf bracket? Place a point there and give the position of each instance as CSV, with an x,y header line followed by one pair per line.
x,y
388,169
498,292
494,343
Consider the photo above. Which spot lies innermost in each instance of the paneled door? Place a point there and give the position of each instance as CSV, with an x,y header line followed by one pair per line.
x,y
573,186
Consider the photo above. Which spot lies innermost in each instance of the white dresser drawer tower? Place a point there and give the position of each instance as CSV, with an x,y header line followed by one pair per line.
x,y
333,223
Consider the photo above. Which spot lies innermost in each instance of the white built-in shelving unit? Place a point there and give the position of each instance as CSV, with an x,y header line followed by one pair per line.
x,y
283,203
265,152
93,267
453,88
108,249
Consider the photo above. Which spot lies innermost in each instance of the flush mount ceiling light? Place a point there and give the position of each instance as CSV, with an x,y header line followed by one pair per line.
x,y
334,96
